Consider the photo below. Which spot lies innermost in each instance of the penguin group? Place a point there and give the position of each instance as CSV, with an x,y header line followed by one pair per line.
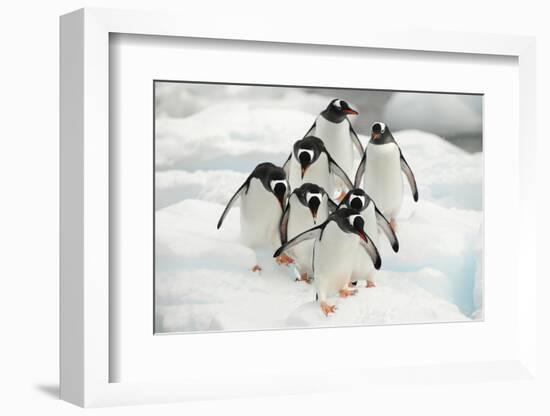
x,y
311,213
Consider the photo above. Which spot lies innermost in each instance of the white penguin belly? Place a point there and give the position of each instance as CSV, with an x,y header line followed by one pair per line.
x,y
260,217
300,220
317,173
333,260
383,178
363,268
336,137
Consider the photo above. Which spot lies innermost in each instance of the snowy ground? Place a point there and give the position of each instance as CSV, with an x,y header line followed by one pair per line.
x,y
203,280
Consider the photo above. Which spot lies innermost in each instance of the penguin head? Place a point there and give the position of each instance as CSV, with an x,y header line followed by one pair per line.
x,y
279,188
350,221
274,180
380,133
356,199
337,110
307,151
311,195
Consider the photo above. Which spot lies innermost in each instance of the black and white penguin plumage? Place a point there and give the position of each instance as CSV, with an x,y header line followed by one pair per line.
x,y
333,126
335,244
311,162
380,170
307,206
358,199
263,196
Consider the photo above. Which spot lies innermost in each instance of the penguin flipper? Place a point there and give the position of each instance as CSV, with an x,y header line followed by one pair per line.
x,y
410,176
310,234
283,225
338,171
355,138
311,130
372,251
286,165
361,170
241,191
383,223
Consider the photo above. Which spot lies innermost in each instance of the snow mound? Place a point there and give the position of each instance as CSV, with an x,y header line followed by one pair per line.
x,y
204,281
174,101
229,136
448,115
445,239
391,302
212,185
444,173
186,237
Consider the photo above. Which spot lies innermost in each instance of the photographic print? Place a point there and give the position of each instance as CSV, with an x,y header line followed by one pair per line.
x,y
280,207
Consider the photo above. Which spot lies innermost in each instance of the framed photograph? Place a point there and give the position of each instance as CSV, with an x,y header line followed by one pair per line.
x,y
295,198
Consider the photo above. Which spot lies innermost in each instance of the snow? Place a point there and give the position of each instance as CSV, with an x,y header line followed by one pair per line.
x,y
203,278
397,300
175,100
444,173
204,282
448,115
229,136
209,185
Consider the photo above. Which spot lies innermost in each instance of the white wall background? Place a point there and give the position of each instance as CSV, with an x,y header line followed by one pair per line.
x,y
29,207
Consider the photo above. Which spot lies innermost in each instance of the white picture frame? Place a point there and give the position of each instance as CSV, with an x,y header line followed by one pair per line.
x,y
85,353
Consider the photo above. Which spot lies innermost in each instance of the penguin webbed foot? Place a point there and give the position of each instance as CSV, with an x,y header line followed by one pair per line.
x,y
326,308
284,259
256,268
370,284
304,277
344,293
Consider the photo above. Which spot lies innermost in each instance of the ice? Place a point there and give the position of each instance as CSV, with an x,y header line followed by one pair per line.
x,y
203,276
229,136
173,101
205,282
448,115
444,173
397,299
213,185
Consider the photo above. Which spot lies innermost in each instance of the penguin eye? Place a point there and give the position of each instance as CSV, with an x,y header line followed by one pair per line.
x,y
307,151
312,195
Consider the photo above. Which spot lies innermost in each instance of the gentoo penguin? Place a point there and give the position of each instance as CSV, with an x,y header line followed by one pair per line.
x,y
335,246
381,168
334,128
263,196
311,162
307,206
358,199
